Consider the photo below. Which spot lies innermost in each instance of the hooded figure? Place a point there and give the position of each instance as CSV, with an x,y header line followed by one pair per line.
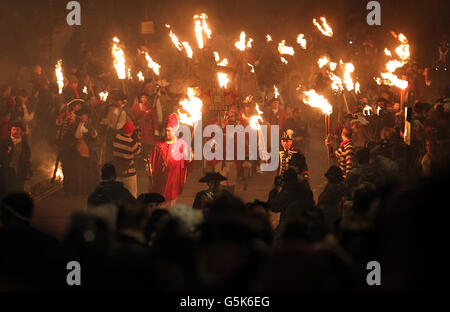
x,y
170,163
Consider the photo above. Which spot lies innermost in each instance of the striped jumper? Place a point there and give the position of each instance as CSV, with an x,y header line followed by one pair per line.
x,y
346,157
125,148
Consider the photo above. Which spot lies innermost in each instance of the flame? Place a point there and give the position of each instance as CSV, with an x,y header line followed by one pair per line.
x,y
316,100
336,83
367,110
378,110
333,66
348,81
216,56
403,49
188,49
323,61
283,49
241,45
223,80
283,60
357,87
193,106
277,94
140,76
301,41
326,29
129,74
85,90
252,67
152,64
391,66
119,59
256,120
392,80
59,174
59,76
387,52
269,38
200,27
175,41
222,63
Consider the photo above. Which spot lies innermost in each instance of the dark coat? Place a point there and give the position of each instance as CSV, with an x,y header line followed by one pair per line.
x,y
10,179
329,200
108,192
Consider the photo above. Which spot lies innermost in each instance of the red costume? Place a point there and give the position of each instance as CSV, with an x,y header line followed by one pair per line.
x,y
170,173
147,121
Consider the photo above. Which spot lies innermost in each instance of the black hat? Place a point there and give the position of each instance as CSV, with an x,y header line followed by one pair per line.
x,y
147,198
334,174
212,176
287,135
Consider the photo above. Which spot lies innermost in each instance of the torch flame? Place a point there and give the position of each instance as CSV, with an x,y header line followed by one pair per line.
x,y
391,66
336,83
367,111
283,49
333,66
119,59
357,87
348,81
283,60
175,41
269,38
301,41
188,49
323,61
200,27
216,56
59,76
326,29
140,76
256,120
152,64
277,94
223,80
403,49
193,106
387,52
59,174
241,45
85,90
316,100
103,95
252,67
392,80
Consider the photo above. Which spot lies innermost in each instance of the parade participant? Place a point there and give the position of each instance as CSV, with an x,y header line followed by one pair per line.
x,y
329,199
147,121
287,152
275,115
71,91
15,160
214,191
300,128
169,173
345,154
125,148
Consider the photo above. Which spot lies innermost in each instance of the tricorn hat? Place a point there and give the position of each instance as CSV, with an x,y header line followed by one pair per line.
x,y
212,176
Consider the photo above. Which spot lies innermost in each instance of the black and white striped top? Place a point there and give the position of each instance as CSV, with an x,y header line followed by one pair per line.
x,y
124,150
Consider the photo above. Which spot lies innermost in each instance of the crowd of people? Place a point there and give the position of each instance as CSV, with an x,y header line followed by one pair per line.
x,y
377,203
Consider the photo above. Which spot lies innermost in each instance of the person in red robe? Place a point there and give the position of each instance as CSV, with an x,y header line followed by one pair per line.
x,y
169,168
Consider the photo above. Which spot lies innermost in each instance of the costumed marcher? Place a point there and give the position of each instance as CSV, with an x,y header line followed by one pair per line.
x,y
170,163
125,149
214,191
345,154
287,152
15,161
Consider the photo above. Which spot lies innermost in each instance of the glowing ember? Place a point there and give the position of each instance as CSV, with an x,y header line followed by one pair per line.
x,y
367,110
152,64
283,60
103,95
119,59
256,120
193,106
241,44
323,61
140,76
277,94
223,80
301,41
59,76
283,49
252,67
269,38
316,100
325,29
188,49
348,81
